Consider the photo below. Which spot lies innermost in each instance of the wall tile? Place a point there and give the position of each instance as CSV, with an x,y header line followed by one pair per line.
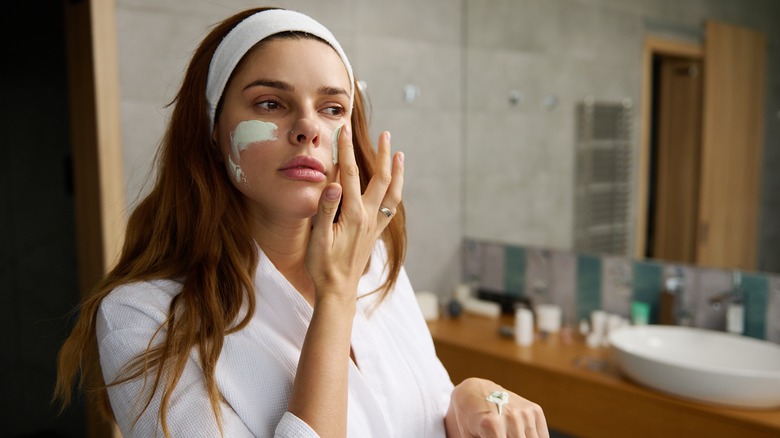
x,y
712,282
616,285
514,270
773,310
588,285
153,62
510,70
563,283
433,20
686,298
538,275
647,285
756,289
341,17
493,267
516,175
388,64
434,243
512,24
472,261
430,193
138,161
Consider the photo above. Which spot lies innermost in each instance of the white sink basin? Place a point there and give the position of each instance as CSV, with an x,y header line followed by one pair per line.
x,y
703,365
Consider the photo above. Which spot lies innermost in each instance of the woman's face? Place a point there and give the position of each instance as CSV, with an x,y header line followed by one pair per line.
x,y
276,129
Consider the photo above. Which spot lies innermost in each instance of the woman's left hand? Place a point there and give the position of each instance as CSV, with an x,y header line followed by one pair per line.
x,y
472,415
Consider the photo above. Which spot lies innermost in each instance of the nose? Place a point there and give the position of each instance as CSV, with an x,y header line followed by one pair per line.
x,y
305,131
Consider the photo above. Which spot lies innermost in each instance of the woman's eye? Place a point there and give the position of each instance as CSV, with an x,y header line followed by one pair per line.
x,y
268,105
335,111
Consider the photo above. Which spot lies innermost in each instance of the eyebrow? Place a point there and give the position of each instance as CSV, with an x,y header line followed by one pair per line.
x,y
286,86
332,91
281,85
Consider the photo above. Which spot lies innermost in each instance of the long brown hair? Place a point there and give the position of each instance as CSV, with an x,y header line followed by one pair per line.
x,y
193,225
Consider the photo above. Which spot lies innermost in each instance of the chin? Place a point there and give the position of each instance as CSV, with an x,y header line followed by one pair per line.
x,y
307,208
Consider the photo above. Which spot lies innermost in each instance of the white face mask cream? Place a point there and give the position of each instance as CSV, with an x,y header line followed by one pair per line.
x,y
335,143
246,133
236,169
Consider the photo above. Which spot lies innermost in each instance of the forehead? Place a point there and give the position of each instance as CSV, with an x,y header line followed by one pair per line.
x,y
291,57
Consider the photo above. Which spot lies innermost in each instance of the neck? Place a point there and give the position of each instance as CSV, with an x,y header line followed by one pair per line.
x,y
285,245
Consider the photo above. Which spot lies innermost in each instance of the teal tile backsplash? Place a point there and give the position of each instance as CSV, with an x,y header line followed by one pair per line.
x,y
756,299
588,285
580,284
773,310
514,270
648,283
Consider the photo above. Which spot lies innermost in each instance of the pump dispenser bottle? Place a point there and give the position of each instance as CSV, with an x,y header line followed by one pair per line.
x,y
668,302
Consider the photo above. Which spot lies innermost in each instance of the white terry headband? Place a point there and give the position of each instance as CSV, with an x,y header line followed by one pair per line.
x,y
252,30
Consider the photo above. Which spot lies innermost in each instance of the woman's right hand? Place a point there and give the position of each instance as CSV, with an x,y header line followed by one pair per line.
x,y
339,251
335,260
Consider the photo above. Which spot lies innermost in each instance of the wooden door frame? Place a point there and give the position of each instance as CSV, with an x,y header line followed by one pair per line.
x,y
99,197
652,46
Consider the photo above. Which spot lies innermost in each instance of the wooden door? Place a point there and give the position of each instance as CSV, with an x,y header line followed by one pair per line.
x,y
654,48
677,147
734,66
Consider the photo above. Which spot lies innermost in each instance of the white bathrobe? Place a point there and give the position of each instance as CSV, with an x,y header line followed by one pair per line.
x,y
399,388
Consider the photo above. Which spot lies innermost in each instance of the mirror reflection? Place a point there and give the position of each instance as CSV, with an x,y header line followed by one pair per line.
x,y
624,129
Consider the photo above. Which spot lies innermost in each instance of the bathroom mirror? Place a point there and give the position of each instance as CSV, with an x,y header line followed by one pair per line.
x,y
534,71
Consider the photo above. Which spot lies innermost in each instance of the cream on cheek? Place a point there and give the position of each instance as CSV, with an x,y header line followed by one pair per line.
x,y
335,144
245,134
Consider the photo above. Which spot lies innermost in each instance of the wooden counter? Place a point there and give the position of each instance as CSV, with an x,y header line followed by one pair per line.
x,y
581,390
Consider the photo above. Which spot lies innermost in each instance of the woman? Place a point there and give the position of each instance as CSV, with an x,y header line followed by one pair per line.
x,y
260,290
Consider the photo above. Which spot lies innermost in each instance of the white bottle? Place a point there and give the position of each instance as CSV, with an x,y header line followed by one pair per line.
x,y
598,328
548,318
735,318
524,326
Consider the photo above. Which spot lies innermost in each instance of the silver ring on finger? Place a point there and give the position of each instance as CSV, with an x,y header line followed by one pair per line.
x,y
500,398
386,211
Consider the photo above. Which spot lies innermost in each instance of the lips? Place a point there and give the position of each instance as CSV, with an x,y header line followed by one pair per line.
x,y
304,168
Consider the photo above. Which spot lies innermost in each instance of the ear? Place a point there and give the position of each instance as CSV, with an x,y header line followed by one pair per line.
x,y
215,144
215,135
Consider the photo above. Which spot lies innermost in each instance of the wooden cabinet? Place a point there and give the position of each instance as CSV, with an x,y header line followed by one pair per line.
x,y
581,390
